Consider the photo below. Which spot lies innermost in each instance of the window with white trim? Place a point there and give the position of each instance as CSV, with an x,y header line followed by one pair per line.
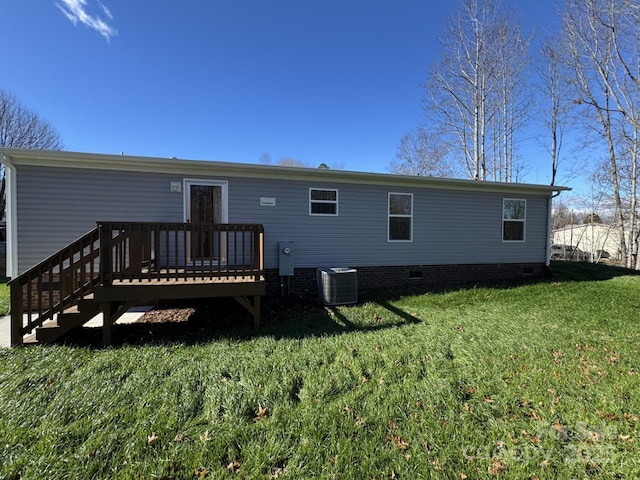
x,y
400,217
514,214
323,201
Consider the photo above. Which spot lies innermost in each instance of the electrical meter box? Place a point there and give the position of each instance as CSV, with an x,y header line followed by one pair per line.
x,y
287,258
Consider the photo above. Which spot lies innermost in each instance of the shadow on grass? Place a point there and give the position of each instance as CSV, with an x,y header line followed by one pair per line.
x,y
587,272
293,317
201,321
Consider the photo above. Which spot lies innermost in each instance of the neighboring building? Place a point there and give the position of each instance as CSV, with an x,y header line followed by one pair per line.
x,y
599,241
395,230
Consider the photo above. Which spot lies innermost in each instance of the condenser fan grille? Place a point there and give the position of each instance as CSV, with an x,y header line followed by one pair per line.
x,y
338,285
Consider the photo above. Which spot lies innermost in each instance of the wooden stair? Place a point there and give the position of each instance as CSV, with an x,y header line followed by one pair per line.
x,y
66,321
119,264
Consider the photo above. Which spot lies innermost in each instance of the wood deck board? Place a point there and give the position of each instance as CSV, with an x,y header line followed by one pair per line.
x,y
119,262
204,280
180,288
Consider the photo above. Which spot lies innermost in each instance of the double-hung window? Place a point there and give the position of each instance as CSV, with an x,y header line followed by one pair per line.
x,y
514,214
323,201
400,217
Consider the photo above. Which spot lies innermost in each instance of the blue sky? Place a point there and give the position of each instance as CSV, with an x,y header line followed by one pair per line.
x,y
335,82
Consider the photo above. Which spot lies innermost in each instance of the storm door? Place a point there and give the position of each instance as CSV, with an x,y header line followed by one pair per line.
x,y
206,203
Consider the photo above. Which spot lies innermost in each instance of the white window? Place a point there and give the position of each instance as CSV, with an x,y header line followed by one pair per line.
x,y
323,201
514,214
400,217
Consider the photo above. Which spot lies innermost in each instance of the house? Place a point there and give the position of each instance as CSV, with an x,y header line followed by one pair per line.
x,y
597,240
393,230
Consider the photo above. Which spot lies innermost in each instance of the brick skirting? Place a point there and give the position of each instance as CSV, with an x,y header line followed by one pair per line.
x,y
45,292
304,280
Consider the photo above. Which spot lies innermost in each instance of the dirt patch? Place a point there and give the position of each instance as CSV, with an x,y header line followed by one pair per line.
x,y
223,312
166,314
196,321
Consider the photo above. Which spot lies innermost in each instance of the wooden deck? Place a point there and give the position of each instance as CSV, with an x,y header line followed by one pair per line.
x,y
121,263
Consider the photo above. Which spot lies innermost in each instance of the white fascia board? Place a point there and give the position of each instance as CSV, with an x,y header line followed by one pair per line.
x,y
64,159
11,217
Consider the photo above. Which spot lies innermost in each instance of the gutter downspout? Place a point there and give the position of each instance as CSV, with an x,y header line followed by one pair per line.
x,y
547,261
10,175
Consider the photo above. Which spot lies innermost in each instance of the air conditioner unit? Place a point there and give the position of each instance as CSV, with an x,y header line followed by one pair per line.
x,y
338,286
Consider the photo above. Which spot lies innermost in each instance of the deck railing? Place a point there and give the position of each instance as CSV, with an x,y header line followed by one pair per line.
x,y
117,252
53,285
138,252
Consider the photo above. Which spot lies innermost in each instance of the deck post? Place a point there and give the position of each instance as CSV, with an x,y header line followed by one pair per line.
x,y
252,307
105,255
106,264
256,312
16,314
107,323
258,259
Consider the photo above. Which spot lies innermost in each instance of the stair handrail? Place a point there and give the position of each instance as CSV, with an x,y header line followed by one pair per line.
x,y
33,300
122,250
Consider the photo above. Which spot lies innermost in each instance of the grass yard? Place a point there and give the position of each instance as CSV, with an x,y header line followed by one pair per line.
x,y
4,299
535,381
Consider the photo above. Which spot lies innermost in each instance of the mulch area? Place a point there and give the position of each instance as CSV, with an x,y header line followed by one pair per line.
x,y
226,312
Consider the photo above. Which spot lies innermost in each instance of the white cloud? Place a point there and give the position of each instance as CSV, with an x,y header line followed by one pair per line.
x,y
106,11
76,12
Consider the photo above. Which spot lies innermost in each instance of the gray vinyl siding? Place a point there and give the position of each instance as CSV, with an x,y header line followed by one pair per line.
x,y
449,227
57,205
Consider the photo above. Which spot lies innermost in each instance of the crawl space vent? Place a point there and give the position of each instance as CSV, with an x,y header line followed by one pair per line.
x,y
338,286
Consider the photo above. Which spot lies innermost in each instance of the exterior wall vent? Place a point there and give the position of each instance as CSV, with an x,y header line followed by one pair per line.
x,y
338,286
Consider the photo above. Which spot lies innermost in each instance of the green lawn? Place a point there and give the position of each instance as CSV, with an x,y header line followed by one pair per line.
x,y
535,381
4,299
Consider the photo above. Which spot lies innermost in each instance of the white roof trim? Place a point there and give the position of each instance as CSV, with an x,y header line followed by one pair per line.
x,y
64,159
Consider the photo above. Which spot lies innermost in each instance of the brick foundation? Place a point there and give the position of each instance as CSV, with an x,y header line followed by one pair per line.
x,y
427,276
435,277
46,292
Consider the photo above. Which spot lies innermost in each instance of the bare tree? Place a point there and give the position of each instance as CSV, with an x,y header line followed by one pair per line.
x,y
265,159
555,95
422,153
512,98
21,127
603,38
291,162
563,216
475,93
